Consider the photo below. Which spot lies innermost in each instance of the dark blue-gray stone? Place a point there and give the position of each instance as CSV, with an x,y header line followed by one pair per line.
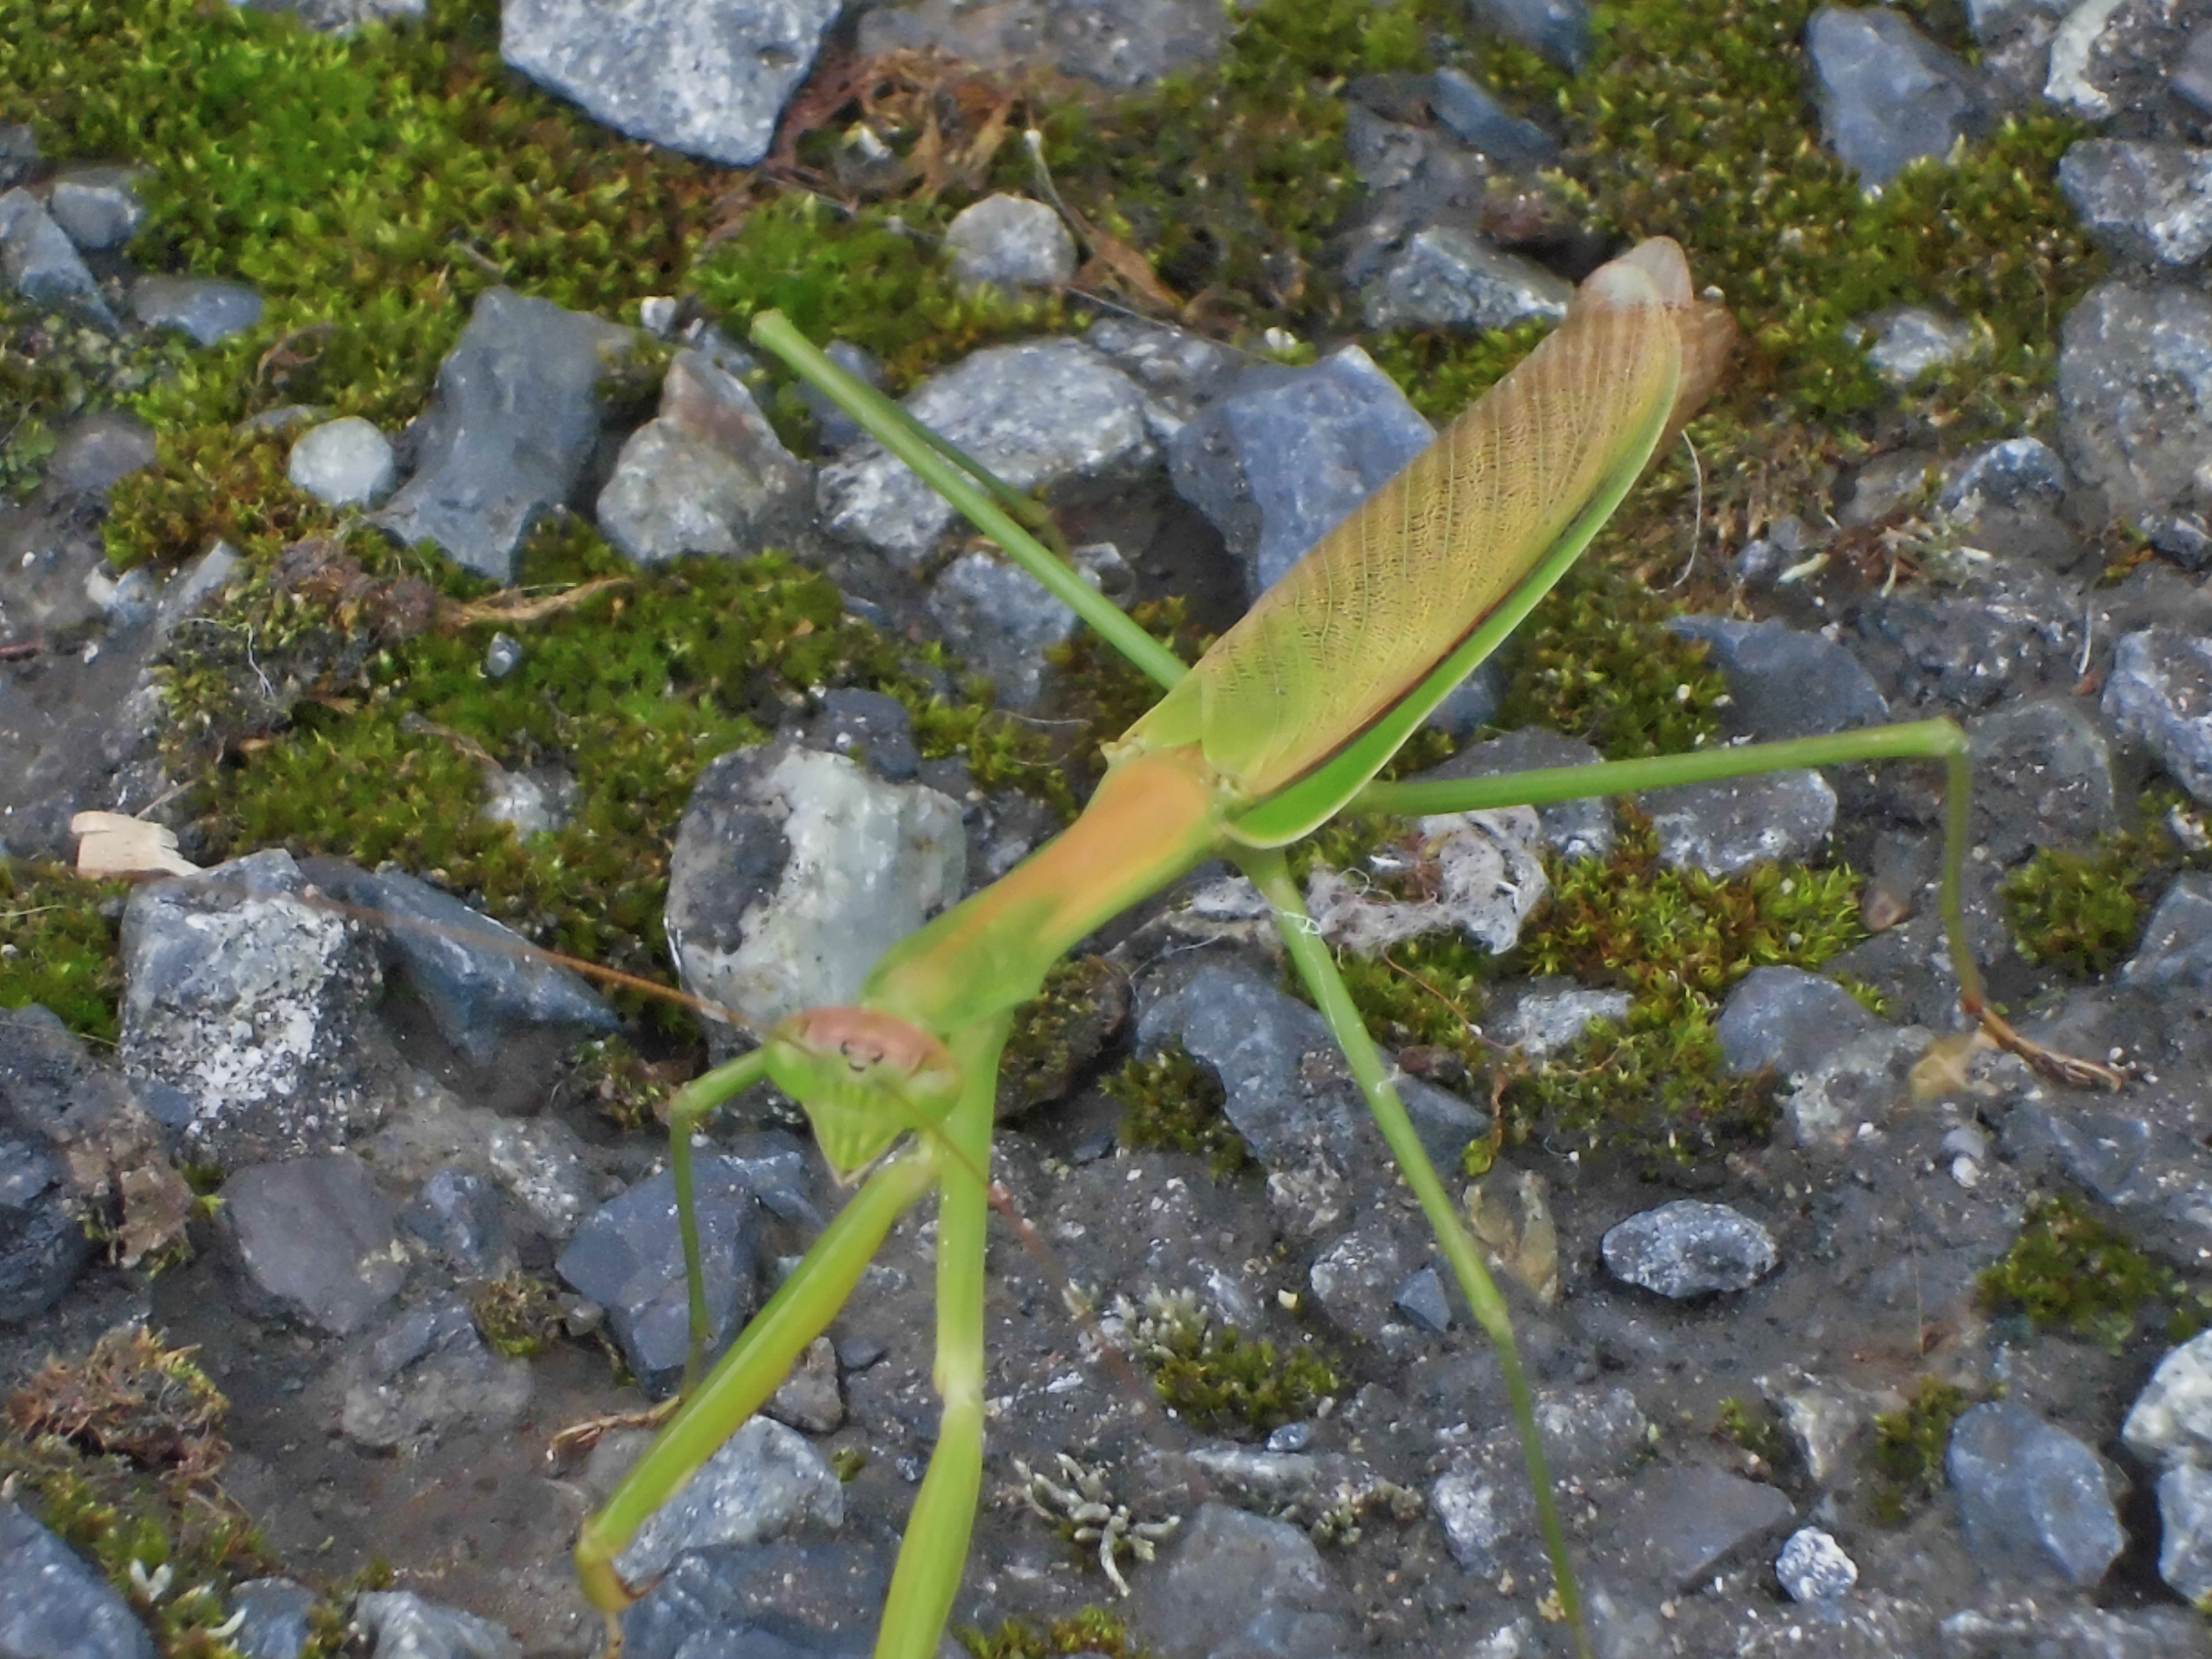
x,y
44,264
2032,1498
1421,1299
628,1256
1688,1249
1784,683
1887,93
1787,1020
1287,454
479,979
458,1215
1687,1523
870,728
275,1612
312,1239
43,1246
1471,111
785,1600
1558,29
53,1605
205,309
2175,955
1241,1583
510,430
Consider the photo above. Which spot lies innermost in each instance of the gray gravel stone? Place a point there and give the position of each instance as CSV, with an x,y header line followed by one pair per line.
x,y
868,728
1726,827
44,264
43,1244
99,207
1011,241
1887,93
1559,29
1813,1567
403,1626
2159,691
628,1256
343,463
2171,1421
2043,777
312,1240
1784,682
1688,1248
808,1399
2175,953
791,1599
2135,395
750,921
765,1481
706,475
457,1214
1482,1501
511,428
1543,1021
1471,112
426,1373
2031,1498
2147,201
53,1605
707,77
1284,454
1574,828
1241,1585
1002,620
276,1612
1050,414
1687,1523
2185,1517
478,978
1909,340
1787,1020
203,309
1446,278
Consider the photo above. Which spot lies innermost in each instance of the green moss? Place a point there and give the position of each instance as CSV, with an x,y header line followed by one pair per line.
x,y
1754,1426
1175,1103
53,370
2080,912
520,1316
2069,1270
1676,939
116,1453
1908,1450
847,1463
1595,661
1229,177
1693,121
865,277
1059,1031
630,694
1442,371
60,945
1221,1380
1087,1630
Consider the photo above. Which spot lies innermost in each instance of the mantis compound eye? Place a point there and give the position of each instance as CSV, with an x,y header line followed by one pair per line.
x,y
865,1079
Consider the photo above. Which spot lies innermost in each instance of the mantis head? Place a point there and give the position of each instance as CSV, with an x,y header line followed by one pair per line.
x,y
865,1079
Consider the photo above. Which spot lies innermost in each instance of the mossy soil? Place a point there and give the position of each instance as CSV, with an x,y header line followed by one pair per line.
x,y
373,187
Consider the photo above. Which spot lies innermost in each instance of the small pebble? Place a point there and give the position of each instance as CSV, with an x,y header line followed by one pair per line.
x,y
502,656
1813,1566
1291,1437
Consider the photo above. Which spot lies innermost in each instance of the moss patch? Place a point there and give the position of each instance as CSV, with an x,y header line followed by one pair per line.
x,y
60,948
115,1453
1175,1103
1909,1447
2079,911
1087,1630
1595,661
2071,1271
1693,121
1221,1380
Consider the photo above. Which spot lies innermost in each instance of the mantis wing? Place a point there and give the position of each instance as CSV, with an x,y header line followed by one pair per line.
x,y
1299,704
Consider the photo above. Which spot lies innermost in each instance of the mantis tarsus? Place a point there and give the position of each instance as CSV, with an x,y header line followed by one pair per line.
x,y
1283,724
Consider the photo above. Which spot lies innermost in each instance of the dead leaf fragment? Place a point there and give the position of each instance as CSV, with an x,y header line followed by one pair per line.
x,y
114,844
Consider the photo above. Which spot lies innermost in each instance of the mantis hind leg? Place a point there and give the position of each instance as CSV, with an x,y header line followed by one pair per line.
x,y
935,1549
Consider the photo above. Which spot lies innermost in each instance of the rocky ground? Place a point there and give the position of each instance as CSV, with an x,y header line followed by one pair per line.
x,y
1848,1337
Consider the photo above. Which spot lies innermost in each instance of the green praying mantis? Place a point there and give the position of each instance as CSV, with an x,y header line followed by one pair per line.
x,y
1283,723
